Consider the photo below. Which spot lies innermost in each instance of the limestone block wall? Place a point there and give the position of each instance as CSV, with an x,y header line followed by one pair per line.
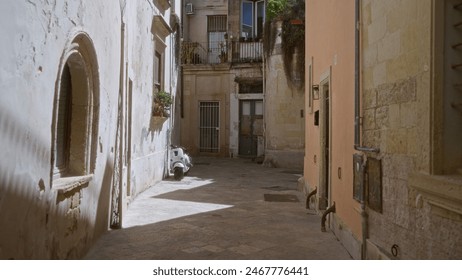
x,y
396,105
284,116
195,28
249,72
205,83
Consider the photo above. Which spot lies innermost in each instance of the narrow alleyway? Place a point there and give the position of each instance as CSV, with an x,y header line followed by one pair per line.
x,y
225,209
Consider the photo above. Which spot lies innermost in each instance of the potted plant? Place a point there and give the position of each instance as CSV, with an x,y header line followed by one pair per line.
x,y
223,52
189,51
162,103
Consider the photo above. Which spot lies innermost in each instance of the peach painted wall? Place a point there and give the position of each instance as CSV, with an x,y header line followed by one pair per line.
x,y
330,34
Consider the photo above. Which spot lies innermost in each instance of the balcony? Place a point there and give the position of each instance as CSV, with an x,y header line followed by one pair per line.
x,y
221,52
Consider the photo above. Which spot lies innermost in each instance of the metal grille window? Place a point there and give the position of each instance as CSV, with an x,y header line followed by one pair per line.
x,y
209,129
216,23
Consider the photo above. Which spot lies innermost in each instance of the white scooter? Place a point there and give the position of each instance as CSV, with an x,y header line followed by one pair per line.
x,y
180,162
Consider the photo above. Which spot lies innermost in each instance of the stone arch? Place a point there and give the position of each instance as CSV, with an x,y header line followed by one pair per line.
x,y
78,79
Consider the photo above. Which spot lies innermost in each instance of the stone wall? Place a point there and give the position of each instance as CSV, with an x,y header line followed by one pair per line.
x,y
396,106
109,49
284,114
206,83
37,222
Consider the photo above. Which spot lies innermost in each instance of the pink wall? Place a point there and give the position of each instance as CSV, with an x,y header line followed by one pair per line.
x,y
330,38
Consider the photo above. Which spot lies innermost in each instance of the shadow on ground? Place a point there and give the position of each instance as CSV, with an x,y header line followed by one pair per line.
x,y
224,209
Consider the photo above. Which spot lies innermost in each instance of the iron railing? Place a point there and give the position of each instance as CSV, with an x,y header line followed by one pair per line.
x,y
221,52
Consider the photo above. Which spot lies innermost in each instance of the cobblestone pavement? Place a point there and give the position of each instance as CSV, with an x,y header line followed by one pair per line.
x,y
225,209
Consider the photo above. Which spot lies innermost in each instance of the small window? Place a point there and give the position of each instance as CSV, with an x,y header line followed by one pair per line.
x,y
157,71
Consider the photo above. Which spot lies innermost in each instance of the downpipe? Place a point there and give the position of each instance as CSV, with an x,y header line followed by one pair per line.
x,y
357,99
309,196
324,216
357,124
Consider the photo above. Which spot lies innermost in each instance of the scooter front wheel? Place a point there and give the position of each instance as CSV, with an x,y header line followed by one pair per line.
x,y
178,173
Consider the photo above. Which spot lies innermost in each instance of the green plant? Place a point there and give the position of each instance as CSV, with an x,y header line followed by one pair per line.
x,y
275,8
188,50
292,37
162,103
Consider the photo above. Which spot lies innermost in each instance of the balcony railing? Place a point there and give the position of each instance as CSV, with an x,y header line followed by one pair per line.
x,y
221,52
243,52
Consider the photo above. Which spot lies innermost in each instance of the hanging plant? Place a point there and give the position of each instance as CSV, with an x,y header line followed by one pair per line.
x,y
275,8
292,15
293,51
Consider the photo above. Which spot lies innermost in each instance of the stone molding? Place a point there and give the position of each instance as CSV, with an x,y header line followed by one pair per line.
x,y
441,191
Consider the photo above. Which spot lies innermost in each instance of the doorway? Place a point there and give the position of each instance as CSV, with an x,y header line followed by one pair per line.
x,y
209,127
250,126
325,166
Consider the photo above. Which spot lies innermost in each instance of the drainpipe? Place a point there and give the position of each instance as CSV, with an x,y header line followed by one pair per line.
x,y
324,216
116,219
357,141
264,62
309,196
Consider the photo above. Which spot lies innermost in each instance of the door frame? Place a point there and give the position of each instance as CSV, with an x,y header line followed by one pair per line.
x,y
325,120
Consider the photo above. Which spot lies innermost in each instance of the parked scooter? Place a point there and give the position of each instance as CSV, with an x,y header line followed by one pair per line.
x,y
180,162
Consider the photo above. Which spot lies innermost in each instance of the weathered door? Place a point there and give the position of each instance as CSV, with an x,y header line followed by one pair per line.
x,y
250,126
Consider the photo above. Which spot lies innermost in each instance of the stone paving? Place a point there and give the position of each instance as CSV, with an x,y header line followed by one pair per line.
x,y
219,212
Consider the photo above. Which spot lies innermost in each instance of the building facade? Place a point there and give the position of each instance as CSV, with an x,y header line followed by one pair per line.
x,y
236,102
381,161
79,81
222,96
330,53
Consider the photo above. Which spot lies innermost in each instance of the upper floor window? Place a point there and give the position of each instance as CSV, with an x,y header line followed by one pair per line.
x,y
157,71
216,33
252,18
